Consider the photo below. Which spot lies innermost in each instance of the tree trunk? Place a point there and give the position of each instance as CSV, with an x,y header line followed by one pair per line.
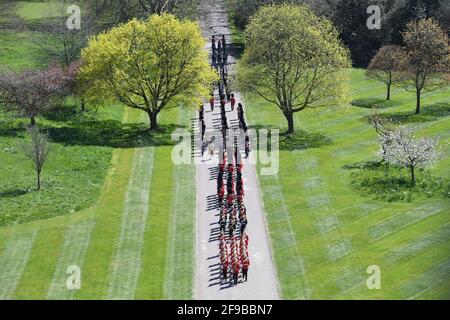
x,y
290,120
38,180
153,116
83,104
417,102
388,92
32,122
413,178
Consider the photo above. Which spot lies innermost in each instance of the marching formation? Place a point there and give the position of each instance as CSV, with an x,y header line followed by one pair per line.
x,y
233,245
233,238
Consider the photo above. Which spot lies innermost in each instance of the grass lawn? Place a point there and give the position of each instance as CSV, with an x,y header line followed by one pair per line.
x,y
325,232
98,241
103,175
74,174
18,50
32,10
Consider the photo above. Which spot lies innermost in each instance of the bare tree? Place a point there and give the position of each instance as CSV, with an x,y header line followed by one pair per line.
x,y
37,150
65,44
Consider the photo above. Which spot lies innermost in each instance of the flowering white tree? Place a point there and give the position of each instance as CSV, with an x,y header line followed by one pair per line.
x,y
400,147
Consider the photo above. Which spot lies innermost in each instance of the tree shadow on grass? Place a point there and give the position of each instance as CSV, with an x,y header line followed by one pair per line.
x,y
370,165
112,133
373,103
10,128
299,140
12,193
64,113
427,113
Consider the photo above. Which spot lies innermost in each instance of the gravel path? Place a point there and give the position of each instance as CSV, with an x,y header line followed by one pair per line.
x,y
262,283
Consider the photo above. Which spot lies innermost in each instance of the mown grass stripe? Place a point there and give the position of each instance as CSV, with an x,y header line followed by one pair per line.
x,y
76,242
402,220
180,264
108,218
428,280
13,261
127,262
418,244
283,236
156,240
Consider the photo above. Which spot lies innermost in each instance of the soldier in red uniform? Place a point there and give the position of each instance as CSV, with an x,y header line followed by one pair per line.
x,y
233,102
245,266
236,268
224,261
221,194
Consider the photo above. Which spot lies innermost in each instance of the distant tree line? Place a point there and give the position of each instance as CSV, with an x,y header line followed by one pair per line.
x,y
121,11
350,17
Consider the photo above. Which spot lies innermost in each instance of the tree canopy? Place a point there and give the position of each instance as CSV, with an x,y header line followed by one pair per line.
x,y
149,65
385,66
294,60
427,65
30,92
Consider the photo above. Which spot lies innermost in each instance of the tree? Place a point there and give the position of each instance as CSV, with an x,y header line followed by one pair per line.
x,y
243,10
385,65
149,65
428,58
294,60
37,150
384,129
401,12
400,147
350,18
65,44
30,92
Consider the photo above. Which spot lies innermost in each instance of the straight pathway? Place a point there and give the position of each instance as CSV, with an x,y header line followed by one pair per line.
x,y
262,282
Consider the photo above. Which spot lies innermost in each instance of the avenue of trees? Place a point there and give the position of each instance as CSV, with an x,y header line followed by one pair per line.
x,y
294,59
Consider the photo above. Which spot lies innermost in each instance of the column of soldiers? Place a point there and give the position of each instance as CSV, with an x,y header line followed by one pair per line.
x,y
234,257
220,58
233,246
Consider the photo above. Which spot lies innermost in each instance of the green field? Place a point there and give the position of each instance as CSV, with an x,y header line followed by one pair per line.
x,y
112,202
18,50
325,232
115,205
121,243
40,9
